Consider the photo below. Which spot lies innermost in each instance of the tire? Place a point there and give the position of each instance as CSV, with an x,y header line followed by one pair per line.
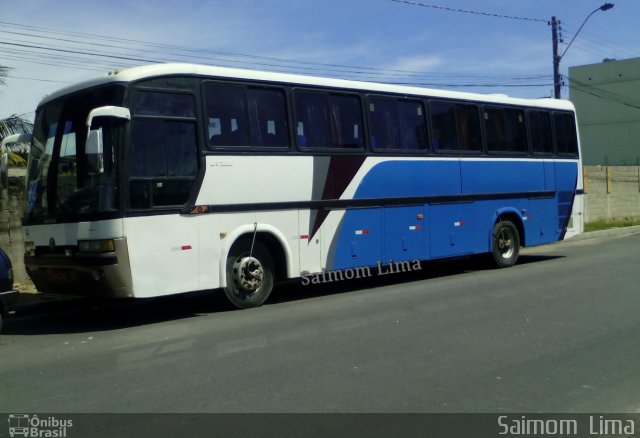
x,y
249,279
505,246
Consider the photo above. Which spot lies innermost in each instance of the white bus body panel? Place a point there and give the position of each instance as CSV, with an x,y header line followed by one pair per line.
x,y
69,234
163,254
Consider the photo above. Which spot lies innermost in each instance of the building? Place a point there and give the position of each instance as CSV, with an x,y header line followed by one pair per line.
x,y
607,100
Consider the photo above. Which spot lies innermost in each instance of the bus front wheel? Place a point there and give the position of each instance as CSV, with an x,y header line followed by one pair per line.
x,y
249,274
506,244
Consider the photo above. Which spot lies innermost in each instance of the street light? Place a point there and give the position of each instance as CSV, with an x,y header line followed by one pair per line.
x,y
557,58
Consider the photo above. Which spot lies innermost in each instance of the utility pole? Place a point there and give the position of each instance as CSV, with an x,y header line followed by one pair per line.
x,y
556,58
557,79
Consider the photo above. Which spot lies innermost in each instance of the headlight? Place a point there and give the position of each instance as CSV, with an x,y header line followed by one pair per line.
x,y
106,245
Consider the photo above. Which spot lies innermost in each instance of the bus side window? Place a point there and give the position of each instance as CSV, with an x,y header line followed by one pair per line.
x,y
383,122
268,117
312,119
565,129
540,128
413,125
346,121
443,122
328,120
516,132
397,124
164,157
468,128
227,114
495,130
155,103
505,130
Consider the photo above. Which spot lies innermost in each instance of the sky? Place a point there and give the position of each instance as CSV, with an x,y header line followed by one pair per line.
x,y
504,46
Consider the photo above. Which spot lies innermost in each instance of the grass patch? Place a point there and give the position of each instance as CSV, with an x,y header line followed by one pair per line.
x,y
605,224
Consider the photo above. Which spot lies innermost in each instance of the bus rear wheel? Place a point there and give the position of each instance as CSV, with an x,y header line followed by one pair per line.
x,y
506,244
249,274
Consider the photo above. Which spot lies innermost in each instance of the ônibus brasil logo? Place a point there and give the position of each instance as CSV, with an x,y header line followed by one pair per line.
x,y
31,426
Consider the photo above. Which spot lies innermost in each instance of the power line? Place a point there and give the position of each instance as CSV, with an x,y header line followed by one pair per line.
x,y
38,80
588,40
191,51
43,49
486,14
36,52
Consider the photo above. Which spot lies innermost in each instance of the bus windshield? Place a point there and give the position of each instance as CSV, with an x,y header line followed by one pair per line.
x,y
63,182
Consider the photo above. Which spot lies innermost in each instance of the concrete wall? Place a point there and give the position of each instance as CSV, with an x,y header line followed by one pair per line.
x,y
611,192
607,100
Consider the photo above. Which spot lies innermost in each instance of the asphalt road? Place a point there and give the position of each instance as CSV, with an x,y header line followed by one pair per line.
x,y
556,333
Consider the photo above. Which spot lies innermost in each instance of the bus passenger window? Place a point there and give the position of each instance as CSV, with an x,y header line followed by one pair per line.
x,y
456,126
328,121
397,124
413,125
516,133
540,127
246,116
566,138
346,121
505,130
495,130
383,121
468,128
312,116
227,114
268,117
443,123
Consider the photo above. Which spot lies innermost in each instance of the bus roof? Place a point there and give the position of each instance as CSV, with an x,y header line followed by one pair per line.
x,y
176,69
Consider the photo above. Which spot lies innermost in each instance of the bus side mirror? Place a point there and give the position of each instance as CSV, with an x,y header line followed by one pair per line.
x,y
4,155
94,151
94,144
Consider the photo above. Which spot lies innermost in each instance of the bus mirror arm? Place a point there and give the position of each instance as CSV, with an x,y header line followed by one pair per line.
x,y
15,138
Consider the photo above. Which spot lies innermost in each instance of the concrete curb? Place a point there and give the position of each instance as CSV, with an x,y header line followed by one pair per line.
x,y
611,232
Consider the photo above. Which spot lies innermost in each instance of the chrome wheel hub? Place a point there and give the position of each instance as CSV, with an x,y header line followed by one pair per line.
x,y
505,244
248,274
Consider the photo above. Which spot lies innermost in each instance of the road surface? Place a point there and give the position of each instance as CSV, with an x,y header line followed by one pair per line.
x,y
556,333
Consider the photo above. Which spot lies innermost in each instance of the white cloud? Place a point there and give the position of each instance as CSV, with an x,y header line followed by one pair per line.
x,y
418,63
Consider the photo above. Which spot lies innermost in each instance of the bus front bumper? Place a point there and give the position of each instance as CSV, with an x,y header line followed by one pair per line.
x,y
73,273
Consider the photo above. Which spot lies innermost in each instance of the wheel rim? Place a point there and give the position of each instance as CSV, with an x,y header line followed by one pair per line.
x,y
248,274
505,243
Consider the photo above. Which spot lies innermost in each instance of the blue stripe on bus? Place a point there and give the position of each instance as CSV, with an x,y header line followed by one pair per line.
x,y
443,230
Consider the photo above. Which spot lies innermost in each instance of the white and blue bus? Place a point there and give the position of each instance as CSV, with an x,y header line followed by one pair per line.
x,y
172,178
